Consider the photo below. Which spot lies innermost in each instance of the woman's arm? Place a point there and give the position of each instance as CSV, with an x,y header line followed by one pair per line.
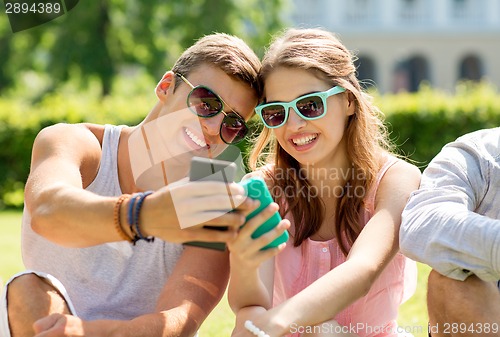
x,y
376,245
252,269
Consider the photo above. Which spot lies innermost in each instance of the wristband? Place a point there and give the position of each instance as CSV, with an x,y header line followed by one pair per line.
x,y
134,209
131,217
117,218
253,329
137,210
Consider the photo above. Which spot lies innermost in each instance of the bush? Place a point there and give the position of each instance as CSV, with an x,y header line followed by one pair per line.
x,y
20,122
420,123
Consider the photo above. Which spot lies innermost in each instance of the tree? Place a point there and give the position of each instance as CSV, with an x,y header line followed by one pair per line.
x,y
97,39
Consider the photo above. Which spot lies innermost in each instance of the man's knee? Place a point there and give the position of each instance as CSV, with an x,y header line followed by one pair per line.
x,y
471,300
31,291
30,298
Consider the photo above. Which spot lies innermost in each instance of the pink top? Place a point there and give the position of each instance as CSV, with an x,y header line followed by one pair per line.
x,y
372,315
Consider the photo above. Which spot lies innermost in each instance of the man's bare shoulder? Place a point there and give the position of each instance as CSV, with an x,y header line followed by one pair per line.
x,y
63,133
76,141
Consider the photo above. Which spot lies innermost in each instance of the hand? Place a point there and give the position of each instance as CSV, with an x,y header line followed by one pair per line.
x,y
59,325
259,317
178,212
245,251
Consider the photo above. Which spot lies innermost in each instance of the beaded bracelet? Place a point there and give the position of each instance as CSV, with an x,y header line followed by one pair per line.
x,y
130,216
137,210
117,217
134,209
253,329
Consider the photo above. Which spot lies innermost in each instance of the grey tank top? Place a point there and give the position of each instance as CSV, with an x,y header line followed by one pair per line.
x,y
110,281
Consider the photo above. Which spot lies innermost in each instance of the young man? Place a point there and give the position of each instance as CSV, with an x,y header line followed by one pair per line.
x,y
452,223
88,280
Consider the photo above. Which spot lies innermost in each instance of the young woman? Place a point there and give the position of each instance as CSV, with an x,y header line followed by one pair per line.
x,y
327,161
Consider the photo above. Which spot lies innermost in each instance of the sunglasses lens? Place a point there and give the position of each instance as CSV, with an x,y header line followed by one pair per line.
x,y
273,115
311,107
205,102
233,129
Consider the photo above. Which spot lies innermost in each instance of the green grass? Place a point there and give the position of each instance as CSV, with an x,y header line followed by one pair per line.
x,y
10,244
412,314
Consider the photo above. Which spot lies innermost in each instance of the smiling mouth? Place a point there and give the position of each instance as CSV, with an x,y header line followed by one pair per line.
x,y
195,138
304,140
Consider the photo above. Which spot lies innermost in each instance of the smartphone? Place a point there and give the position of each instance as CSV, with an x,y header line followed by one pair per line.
x,y
207,169
256,188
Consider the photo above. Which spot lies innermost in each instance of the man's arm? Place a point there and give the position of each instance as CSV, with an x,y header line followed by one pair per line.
x,y
63,157
190,294
66,159
440,225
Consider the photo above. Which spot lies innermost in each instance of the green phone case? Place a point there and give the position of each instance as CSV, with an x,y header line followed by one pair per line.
x,y
256,188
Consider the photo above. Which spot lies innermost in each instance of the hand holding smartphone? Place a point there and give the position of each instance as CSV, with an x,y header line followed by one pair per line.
x,y
206,169
256,188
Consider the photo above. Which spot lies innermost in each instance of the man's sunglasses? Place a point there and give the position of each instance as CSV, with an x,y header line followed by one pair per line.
x,y
310,106
205,103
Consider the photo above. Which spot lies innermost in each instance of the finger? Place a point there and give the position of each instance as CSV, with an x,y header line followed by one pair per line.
x,y
252,224
208,188
244,242
209,235
46,323
263,255
247,206
228,219
268,237
214,202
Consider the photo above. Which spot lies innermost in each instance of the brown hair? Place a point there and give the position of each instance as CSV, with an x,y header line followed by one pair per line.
x,y
227,52
326,57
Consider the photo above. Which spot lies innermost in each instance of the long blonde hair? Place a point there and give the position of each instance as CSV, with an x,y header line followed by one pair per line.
x,y
322,53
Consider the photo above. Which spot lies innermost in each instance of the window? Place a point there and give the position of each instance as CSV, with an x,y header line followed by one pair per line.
x,y
416,12
365,71
467,11
471,68
409,74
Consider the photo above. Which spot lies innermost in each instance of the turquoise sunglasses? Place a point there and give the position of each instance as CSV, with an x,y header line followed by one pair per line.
x,y
310,106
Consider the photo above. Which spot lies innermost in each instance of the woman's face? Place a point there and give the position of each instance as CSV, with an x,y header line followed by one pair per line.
x,y
311,142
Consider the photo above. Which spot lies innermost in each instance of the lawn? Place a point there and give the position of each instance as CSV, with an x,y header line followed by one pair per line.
x,y
412,316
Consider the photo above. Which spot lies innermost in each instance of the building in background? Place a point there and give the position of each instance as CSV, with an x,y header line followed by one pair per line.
x,y
400,43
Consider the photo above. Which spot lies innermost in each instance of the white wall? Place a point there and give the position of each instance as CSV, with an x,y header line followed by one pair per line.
x,y
390,31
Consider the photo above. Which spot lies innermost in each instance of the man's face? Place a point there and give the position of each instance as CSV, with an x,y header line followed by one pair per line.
x,y
195,133
177,134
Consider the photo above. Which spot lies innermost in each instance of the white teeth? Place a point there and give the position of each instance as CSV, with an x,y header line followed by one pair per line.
x,y
304,140
195,138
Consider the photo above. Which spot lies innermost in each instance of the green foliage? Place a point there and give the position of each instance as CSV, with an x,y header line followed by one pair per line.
x,y
98,40
21,120
422,123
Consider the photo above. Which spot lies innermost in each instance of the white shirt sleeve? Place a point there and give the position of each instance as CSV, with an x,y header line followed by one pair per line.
x,y
451,223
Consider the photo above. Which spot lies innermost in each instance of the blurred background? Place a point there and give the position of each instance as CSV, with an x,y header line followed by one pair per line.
x,y
433,68
401,43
